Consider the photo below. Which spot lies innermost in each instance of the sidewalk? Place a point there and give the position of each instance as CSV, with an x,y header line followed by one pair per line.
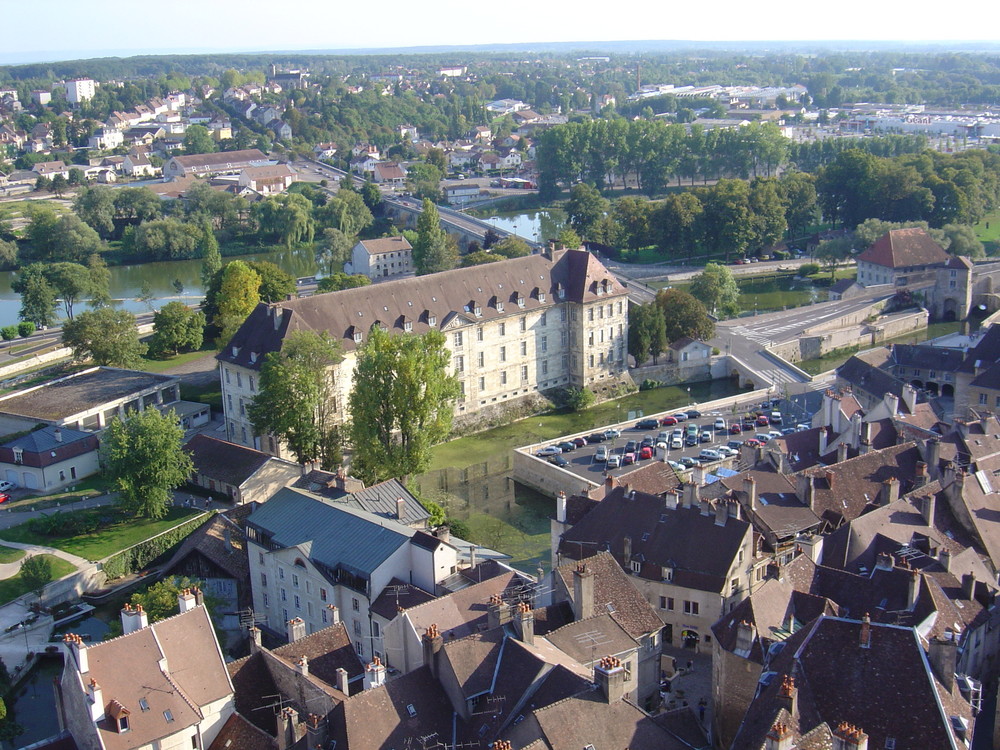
x,y
690,686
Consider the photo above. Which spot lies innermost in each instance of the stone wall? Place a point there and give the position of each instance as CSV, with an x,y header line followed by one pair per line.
x,y
824,340
547,478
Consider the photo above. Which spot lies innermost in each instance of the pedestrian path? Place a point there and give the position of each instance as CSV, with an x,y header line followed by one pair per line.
x,y
9,569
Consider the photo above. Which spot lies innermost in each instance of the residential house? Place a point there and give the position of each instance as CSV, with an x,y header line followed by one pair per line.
x,y
364,164
901,258
51,169
691,559
390,173
159,685
268,180
307,552
408,132
41,97
106,140
240,474
514,328
137,164
281,129
489,161
483,133
325,150
49,458
382,258
506,106
224,162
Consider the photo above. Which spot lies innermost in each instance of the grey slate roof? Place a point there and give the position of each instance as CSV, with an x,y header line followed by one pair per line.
x,y
331,534
44,439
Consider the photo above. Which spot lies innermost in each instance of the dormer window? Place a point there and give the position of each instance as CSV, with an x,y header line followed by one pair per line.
x,y
123,723
253,358
520,301
432,320
541,296
560,291
19,455
636,567
407,325
358,336
499,306
668,574
477,311
236,351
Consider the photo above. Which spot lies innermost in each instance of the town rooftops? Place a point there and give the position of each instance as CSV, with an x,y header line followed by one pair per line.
x,y
904,248
80,392
331,534
223,159
433,302
463,612
386,245
224,461
269,171
49,438
380,499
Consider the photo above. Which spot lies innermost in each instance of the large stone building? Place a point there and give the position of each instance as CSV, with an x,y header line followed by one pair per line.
x,y
515,329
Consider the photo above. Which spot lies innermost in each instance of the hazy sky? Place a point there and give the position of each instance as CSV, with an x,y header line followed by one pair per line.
x,y
64,29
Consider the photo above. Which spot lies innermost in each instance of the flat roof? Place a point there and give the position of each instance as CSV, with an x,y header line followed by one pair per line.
x,y
81,392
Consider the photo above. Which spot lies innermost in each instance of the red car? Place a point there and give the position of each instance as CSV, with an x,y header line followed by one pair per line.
x,y
628,458
4,497
668,421
763,421
645,453
753,443
735,428
580,442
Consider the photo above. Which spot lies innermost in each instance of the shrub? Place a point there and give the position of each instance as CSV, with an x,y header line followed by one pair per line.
x,y
9,333
579,399
140,555
25,328
808,269
648,385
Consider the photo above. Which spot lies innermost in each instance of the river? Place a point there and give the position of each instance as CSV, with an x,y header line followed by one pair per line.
x,y
536,226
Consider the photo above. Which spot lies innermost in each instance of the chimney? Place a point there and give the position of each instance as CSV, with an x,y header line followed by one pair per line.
x,y
944,557
811,545
706,508
865,640
255,641
374,674
910,398
400,508
334,614
883,561
779,737
890,491
57,434
721,512
561,507
316,731
745,635
133,618
524,622
934,458
865,439
295,629
497,612
76,647
472,556
788,694
583,592
287,721
432,643
199,597
912,590
443,533
698,475
302,666
95,696
806,488
841,453
848,737
609,674
823,438
670,500
692,495
342,684
185,600
750,487
829,479
920,475
891,401
942,653
969,586
928,505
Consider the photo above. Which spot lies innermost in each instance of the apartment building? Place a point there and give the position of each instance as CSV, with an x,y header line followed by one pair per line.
x,y
79,90
516,328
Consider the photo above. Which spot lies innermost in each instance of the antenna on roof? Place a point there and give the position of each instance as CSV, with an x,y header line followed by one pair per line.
x,y
494,705
593,638
249,618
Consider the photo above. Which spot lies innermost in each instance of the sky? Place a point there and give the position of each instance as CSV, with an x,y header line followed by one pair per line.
x,y
71,29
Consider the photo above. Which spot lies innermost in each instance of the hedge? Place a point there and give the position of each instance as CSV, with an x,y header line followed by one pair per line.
x,y
139,555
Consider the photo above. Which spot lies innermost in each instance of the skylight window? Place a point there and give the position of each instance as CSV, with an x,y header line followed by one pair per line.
x,y
168,716
143,704
411,710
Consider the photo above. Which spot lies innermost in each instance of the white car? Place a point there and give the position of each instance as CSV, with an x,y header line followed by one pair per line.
x,y
726,451
6,486
614,461
676,443
709,454
552,450
601,454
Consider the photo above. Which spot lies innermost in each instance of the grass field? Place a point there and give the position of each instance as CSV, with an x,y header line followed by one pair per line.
x,y
10,554
13,587
164,365
988,232
114,536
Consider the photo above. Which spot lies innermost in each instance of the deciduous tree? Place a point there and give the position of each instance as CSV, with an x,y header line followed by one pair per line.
x,y
38,298
716,288
432,252
107,336
683,315
401,403
176,327
239,293
36,571
336,282
143,456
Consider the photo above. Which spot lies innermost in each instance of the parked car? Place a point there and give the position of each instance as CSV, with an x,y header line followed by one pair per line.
x,y
596,437
558,461
550,450
693,414
752,442
631,446
735,428
4,497
802,426
706,436
612,433
628,458
680,416
647,424
6,486
774,434
735,445
676,465
763,421
668,421
676,443
707,454
726,451
647,442
775,417
646,452
763,438
689,462
580,442
567,446
765,405
614,461
601,454
788,431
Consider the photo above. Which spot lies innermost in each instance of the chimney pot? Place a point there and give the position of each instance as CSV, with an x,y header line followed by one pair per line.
x,y
561,507
829,479
866,631
334,614
342,684
721,512
400,508
295,629
583,592
750,487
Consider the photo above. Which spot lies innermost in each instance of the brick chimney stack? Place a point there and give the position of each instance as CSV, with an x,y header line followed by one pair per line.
x,y
788,694
890,491
745,634
342,683
334,614
609,674
721,512
95,697
302,666
524,622
920,475
400,508
912,590
942,653
255,640
432,643
288,720
829,479
750,487
185,601
848,737
497,612
841,453
133,618
561,507
316,731
77,648
295,629
374,674
866,632
199,597
583,592
779,737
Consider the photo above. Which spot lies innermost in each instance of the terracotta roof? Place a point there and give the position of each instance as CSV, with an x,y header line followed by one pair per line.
x,y
574,638
223,461
222,540
614,590
221,159
651,477
327,650
444,296
461,613
239,734
778,510
399,595
904,248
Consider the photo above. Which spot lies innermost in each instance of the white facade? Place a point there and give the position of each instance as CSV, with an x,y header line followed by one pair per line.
x,y
80,90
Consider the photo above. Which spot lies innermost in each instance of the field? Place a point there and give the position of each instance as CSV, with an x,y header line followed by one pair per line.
x,y
13,587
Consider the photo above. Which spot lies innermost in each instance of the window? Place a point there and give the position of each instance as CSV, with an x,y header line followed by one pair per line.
x,y
590,339
460,363
375,629
322,595
591,360
360,648
543,343
263,579
503,378
982,399
123,723
479,333
143,704
227,377
266,603
284,596
543,319
734,585
482,359
503,353
663,602
295,580
590,314
668,574
499,306
324,616
239,380
407,325
524,373
524,348
524,320
357,628
432,320
670,603
298,603
253,384
545,367
890,742
478,311
690,608
503,329
520,303
355,604
168,716
482,384
281,573
457,338
260,558
636,567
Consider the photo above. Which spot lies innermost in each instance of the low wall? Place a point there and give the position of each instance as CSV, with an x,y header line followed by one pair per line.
x,y
866,334
32,362
547,478
856,318
86,578
672,373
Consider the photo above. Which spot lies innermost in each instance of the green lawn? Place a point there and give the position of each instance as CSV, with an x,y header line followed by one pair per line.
x,y
13,587
86,488
165,365
114,536
204,394
10,554
838,356
988,232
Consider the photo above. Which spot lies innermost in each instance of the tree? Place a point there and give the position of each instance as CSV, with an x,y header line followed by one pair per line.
x,y
767,212
511,246
71,281
578,399
163,239
962,240
211,262
159,601
346,211
400,404
424,181
296,400
60,238
38,298
585,208
8,254
798,195
340,280
479,258
36,571
8,333
717,290
647,332
675,224
287,217
831,253
569,239
43,183
96,206
59,184
238,295
683,315
143,457
100,282
25,328
371,195
176,327
106,336
432,252
871,230
197,140
335,250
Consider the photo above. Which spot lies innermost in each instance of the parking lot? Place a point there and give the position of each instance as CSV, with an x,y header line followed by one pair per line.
x,y
584,461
